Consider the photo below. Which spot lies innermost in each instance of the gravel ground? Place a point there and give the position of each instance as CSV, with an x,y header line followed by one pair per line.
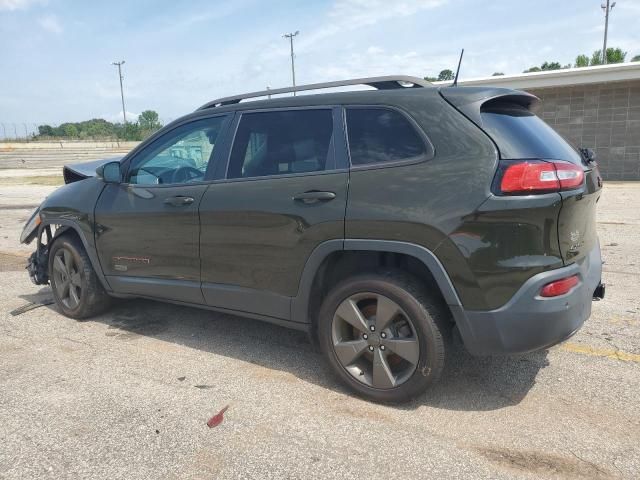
x,y
127,395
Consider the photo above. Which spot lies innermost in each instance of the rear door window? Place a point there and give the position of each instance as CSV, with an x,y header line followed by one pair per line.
x,y
381,135
282,142
519,133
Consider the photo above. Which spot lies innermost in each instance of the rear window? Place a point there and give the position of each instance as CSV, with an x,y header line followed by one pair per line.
x,y
380,135
519,133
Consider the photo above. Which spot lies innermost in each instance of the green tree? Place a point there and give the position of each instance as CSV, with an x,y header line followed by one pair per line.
x,y
532,69
614,55
148,120
497,74
45,130
431,79
582,61
445,75
636,58
70,130
550,66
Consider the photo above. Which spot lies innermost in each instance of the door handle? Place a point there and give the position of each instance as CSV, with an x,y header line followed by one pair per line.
x,y
313,196
179,201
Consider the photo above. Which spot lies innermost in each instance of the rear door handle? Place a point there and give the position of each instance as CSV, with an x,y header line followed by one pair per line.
x,y
179,201
313,196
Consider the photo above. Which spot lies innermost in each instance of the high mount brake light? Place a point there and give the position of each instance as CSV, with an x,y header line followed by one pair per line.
x,y
538,176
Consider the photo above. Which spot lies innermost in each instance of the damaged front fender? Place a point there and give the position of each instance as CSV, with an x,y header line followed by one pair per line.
x,y
38,264
30,229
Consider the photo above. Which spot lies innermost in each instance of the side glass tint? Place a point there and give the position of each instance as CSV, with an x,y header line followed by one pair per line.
x,y
379,135
282,142
519,133
181,156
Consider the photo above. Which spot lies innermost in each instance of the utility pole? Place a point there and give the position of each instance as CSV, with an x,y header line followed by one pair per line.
x,y
119,64
607,10
293,67
268,94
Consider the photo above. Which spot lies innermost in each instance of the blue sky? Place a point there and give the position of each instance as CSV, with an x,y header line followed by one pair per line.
x,y
56,55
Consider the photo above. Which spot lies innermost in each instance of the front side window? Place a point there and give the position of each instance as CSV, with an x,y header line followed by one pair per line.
x,y
380,135
282,142
181,156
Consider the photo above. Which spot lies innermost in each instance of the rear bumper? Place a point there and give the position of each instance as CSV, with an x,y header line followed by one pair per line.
x,y
529,322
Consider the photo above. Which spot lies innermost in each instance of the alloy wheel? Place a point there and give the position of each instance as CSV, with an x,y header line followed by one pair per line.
x,y
67,279
375,341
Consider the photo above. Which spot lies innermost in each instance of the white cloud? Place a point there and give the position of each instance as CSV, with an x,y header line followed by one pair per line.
x,y
51,24
358,13
117,117
377,61
17,4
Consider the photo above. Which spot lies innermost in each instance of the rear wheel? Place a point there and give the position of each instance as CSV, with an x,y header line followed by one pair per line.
x,y
383,336
76,288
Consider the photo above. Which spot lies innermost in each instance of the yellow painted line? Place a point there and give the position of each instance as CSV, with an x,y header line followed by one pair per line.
x,y
600,352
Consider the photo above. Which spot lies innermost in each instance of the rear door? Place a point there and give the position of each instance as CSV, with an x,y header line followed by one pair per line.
x,y
283,194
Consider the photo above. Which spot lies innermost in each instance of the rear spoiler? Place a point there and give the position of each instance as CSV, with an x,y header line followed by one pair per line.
x,y
469,100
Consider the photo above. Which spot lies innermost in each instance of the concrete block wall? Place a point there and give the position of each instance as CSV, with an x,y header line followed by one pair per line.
x,y
604,117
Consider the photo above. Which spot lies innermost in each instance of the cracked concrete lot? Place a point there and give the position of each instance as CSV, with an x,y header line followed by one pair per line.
x,y
128,394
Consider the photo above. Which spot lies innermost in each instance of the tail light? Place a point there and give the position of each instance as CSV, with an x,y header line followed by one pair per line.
x,y
525,177
559,287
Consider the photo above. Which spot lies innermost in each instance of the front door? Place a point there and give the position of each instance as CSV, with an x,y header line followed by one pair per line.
x,y
285,193
147,228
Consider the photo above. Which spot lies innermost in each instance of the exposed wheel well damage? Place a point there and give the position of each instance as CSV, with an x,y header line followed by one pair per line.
x,y
69,229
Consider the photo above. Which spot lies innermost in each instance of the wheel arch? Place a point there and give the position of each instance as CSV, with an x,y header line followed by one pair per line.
x,y
331,253
66,226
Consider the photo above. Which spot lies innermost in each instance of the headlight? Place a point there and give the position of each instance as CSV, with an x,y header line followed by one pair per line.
x,y
31,228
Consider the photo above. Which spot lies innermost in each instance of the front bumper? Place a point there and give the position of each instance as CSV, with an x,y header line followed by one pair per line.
x,y
529,322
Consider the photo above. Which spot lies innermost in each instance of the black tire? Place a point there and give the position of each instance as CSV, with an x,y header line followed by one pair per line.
x,y
89,296
429,323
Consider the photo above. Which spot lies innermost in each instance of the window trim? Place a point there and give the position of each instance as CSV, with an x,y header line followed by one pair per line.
x,y
129,159
430,151
335,118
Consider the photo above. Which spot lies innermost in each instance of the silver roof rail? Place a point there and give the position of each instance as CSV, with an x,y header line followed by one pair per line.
x,y
381,83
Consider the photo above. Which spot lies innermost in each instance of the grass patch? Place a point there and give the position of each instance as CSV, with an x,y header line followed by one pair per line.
x,y
35,180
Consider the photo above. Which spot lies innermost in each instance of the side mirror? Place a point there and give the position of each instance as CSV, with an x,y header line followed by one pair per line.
x,y
109,172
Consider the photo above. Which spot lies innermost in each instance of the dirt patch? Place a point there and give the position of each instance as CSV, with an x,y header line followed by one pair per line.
x,y
10,262
544,463
33,180
19,207
127,326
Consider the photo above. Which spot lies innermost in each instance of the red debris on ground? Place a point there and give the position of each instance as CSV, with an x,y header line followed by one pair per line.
x,y
217,418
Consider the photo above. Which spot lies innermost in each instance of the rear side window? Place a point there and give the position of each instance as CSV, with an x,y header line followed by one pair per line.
x,y
282,142
380,135
519,133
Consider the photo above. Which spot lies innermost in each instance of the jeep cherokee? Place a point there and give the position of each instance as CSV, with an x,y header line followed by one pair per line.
x,y
380,221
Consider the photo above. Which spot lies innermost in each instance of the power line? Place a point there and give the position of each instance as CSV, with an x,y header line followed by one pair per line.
x,y
607,10
119,65
293,67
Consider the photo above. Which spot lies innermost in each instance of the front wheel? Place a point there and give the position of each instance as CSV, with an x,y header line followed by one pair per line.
x,y
383,335
76,288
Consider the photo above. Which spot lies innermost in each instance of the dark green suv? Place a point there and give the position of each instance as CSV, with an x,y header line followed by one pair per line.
x,y
380,221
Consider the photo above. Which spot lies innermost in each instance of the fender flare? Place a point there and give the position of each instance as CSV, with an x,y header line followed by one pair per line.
x,y
65,225
300,303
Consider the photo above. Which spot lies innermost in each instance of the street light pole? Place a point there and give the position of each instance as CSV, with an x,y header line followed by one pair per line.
x,y
293,67
119,64
607,10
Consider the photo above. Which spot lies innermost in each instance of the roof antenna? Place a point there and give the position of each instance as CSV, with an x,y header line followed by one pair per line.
x,y
455,80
